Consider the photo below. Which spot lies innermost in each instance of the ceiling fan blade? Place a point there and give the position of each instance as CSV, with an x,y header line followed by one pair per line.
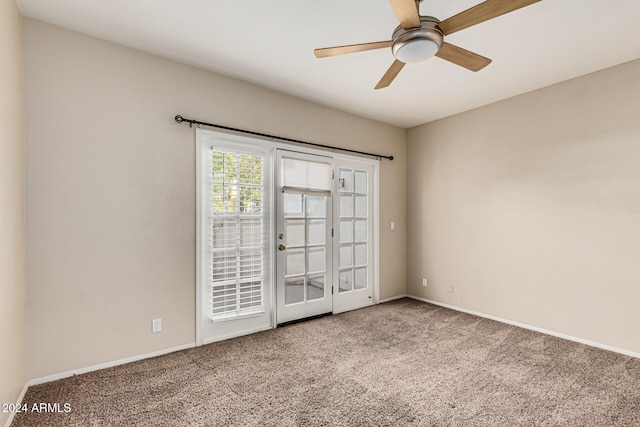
x,y
391,74
406,12
482,12
352,48
462,57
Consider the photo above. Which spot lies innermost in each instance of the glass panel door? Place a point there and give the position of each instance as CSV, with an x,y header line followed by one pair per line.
x,y
234,239
353,246
304,274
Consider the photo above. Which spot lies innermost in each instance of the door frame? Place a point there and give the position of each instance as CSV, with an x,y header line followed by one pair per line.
x,y
324,305
271,147
375,193
226,141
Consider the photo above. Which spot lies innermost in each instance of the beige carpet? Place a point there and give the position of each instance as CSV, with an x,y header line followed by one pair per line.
x,y
399,363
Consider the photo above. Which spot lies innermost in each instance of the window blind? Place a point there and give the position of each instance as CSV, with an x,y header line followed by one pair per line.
x,y
306,177
238,233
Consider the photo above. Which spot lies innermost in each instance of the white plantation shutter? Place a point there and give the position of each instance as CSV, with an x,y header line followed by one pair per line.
x,y
238,233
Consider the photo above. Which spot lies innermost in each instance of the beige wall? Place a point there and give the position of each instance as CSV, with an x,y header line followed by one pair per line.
x,y
111,191
530,207
13,305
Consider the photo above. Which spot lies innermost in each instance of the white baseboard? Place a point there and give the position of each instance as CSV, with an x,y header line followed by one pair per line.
x,y
68,374
236,334
353,307
532,328
392,298
12,415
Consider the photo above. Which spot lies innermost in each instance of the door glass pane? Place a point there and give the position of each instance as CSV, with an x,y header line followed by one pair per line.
x,y
317,232
316,206
361,181
249,199
346,259
223,265
316,262
294,232
225,232
224,297
346,281
360,277
360,251
250,263
250,294
293,290
346,230
315,286
251,232
346,180
294,260
360,227
361,206
346,206
293,205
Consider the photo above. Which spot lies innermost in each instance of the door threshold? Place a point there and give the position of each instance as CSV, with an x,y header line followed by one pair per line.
x,y
304,319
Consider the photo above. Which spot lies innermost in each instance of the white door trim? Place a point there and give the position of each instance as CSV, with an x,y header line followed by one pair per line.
x,y
205,140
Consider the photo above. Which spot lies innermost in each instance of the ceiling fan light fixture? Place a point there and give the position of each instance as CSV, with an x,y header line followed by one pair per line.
x,y
417,44
416,50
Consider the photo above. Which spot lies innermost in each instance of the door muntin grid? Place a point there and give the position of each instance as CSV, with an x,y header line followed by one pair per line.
x,y
305,230
354,217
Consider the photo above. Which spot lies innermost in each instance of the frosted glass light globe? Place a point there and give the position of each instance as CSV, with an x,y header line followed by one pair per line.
x,y
417,50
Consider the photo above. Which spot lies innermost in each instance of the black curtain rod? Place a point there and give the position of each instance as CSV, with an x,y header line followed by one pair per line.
x,y
181,119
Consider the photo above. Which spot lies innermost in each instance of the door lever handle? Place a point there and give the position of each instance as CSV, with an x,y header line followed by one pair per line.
x,y
281,247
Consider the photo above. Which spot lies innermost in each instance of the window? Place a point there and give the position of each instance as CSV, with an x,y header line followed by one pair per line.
x,y
237,233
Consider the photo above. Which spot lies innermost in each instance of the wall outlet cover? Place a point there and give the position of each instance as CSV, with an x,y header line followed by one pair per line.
x,y
156,325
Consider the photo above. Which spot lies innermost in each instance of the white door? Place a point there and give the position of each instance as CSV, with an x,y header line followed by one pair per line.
x,y
303,236
354,238
234,236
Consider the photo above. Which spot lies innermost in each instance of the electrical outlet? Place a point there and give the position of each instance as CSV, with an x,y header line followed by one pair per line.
x,y
451,288
393,225
156,325
424,281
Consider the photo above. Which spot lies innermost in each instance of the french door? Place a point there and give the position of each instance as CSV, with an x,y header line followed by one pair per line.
x,y
324,235
233,244
304,205
353,259
281,235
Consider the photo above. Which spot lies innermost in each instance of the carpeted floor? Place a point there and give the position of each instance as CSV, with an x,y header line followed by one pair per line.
x,y
400,363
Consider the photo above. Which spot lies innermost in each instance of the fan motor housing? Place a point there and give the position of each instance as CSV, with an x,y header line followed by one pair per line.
x,y
425,40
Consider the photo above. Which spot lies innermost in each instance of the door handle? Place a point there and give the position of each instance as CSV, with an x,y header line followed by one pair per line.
x,y
281,247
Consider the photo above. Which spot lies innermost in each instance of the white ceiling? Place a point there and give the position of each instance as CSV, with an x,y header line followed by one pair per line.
x,y
271,43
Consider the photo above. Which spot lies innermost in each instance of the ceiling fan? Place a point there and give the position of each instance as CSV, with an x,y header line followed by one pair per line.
x,y
418,38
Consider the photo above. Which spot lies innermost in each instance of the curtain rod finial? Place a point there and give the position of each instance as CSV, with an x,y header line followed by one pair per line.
x,y
179,118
